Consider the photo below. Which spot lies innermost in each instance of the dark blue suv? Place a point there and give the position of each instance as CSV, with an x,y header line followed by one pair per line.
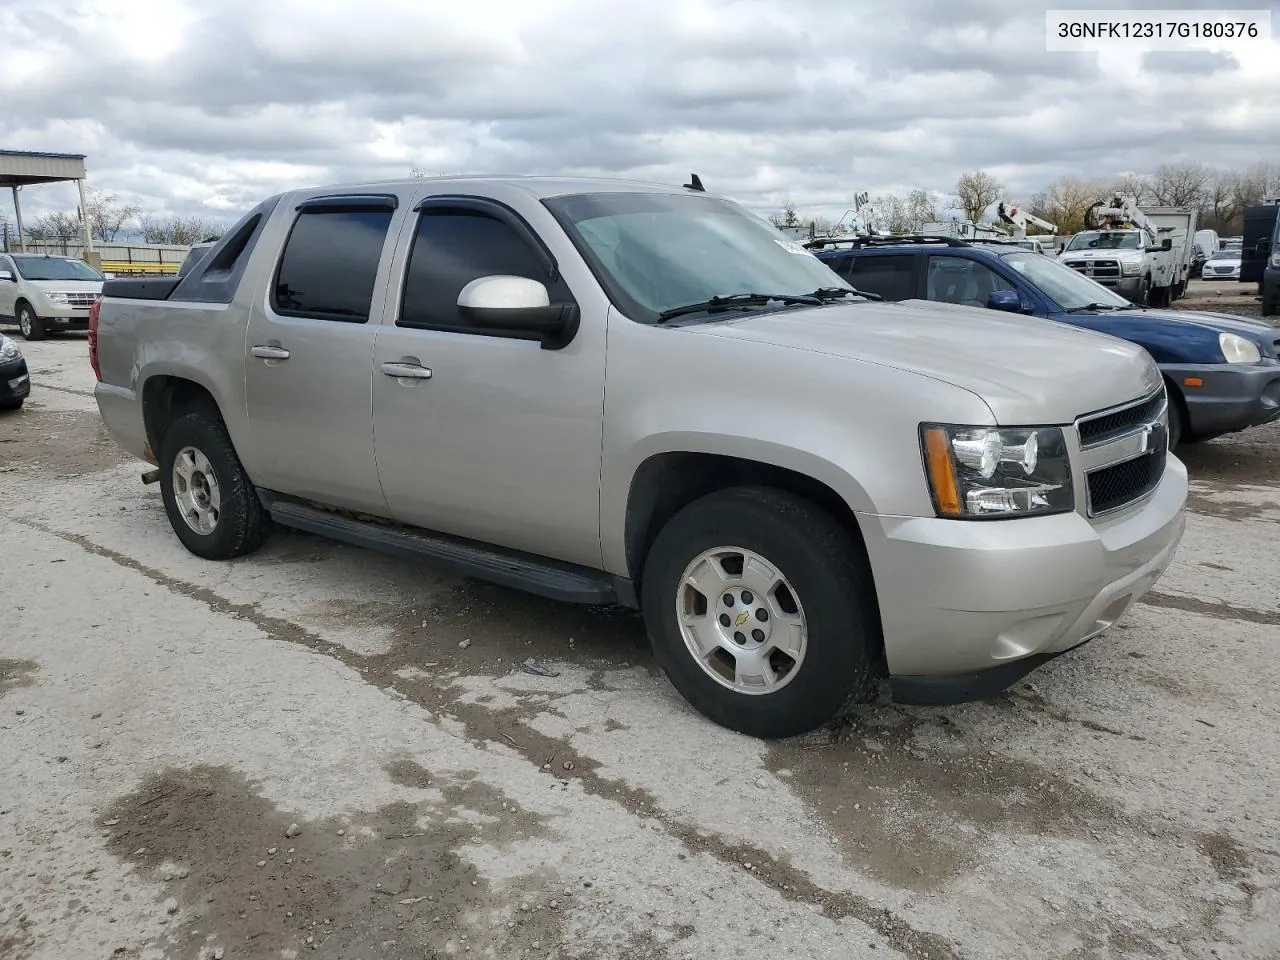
x,y
1222,371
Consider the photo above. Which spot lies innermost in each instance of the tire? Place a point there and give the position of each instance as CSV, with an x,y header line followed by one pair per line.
x,y
239,525
1176,424
12,404
825,577
31,326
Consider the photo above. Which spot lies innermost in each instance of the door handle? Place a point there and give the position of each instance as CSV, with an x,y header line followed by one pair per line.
x,y
410,371
270,353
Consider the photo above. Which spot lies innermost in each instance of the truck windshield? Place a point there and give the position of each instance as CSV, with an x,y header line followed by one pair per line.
x,y
55,268
1105,240
1065,287
654,251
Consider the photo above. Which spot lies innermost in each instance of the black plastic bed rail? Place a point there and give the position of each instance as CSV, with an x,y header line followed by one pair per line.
x,y
140,288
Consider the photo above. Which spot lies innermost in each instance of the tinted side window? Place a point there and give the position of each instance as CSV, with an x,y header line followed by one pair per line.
x,y
329,264
963,281
889,276
452,247
839,263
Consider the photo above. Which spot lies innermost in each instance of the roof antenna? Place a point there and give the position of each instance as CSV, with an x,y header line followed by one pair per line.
x,y
695,183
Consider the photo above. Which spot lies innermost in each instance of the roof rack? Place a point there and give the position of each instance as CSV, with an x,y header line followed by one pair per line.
x,y
891,241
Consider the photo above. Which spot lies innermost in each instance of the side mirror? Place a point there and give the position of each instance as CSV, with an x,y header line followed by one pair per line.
x,y
1007,300
109,276
6,275
518,305
1264,247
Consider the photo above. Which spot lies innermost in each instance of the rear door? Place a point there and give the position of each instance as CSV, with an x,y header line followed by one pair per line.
x,y
309,350
894,276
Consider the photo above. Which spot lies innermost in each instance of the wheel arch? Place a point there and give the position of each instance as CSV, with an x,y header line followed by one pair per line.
x,y
666,482
168,396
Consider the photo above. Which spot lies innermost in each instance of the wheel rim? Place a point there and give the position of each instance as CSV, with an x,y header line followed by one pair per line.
x,y
741,620
195,490
24,322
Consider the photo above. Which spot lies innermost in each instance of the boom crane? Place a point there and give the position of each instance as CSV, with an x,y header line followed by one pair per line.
x,y
1120,213
1019,219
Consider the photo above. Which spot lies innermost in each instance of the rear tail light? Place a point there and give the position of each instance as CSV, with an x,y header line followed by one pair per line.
x,y
93,337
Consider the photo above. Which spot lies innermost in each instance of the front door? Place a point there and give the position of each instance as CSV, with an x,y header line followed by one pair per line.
x,y
309,354
480,434
8,288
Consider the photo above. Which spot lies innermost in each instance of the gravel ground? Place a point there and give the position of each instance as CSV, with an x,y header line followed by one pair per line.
x,y
318,751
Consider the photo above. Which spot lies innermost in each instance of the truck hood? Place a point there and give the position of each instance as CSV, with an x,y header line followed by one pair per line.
x,y
1254,330
1028,371
67,286
1102,255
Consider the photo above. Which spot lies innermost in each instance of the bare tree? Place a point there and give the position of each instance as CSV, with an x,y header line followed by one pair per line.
x,y
1039,206
107,214
1181,185
182,231
976,191
1067,200
889,213
1132,185
920,209
59,225
787,218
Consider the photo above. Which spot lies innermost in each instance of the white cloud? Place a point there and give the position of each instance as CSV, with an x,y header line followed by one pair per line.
x,y
213,104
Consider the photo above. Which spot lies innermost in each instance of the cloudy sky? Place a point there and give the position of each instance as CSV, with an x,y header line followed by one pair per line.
x,y
206,106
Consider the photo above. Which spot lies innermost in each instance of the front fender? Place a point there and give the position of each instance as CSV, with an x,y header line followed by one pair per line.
x,y
1168,341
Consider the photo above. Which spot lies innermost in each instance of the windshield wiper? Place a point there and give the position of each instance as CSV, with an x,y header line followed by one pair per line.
x,y
835,293
1095,306
732,300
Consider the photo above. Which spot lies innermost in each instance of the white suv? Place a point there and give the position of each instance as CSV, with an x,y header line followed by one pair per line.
x,y
45,294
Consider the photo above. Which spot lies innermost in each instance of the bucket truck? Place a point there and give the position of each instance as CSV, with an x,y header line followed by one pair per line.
x,y
1121,248
1019,219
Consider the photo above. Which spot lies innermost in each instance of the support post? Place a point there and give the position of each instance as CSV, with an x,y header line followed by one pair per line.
x,y
17,213
90,256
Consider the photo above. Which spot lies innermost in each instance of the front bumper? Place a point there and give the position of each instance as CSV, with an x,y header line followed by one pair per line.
x,y
60,316
1127,287
994,599
1231,397
15,381
1271,291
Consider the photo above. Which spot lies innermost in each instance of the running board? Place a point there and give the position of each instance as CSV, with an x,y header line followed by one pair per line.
x,y
522,571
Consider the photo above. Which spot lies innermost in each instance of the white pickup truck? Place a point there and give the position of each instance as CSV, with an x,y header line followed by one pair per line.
x,y
610,392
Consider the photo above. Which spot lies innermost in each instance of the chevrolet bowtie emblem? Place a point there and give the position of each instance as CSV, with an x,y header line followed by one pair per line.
x,y
742,618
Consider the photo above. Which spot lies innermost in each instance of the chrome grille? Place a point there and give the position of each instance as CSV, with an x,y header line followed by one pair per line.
x,y
1099,428
81,299
1095,268
1113,487
1124,450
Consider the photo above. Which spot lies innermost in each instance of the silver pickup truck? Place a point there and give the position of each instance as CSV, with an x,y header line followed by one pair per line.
x,y
609,392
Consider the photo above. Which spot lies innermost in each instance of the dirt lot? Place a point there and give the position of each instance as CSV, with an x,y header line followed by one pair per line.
x,y
299,754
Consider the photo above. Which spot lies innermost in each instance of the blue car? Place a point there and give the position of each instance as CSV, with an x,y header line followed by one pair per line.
x,y
1222,371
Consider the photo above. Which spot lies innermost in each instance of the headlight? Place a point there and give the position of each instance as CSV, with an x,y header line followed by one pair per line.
x,y
9,350
1238,349
978,473
1132,269
1275,261
56,297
